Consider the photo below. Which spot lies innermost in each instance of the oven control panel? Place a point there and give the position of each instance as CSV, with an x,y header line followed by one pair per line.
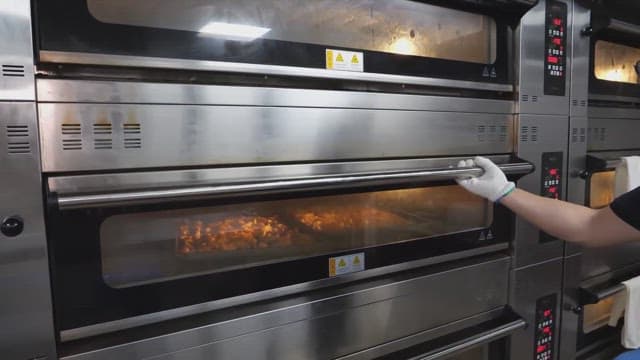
x,y
555,63
545,327
551,182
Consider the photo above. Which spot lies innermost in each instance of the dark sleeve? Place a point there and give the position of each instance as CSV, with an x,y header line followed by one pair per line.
x,y
627,207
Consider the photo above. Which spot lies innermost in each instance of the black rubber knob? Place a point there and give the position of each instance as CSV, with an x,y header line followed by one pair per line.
x,y
12,226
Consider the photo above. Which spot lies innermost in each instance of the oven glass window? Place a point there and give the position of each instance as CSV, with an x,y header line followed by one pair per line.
x,y
596,316
615,62
392,26
139,248
601,189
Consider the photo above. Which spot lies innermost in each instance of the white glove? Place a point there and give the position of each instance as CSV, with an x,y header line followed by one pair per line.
x,y
492,185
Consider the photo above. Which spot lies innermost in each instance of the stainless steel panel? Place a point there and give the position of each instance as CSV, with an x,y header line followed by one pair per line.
x,y
530,55
624,27
538,134
570,307
527,286
167,63
598,261
613,134
243,186
581,47
576,185
83,137
26,324
79,91
333,326
598,112
16,56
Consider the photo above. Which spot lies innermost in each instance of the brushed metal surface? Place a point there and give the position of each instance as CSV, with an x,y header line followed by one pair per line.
x,y
596,262
282,185
167,63
26,319
570,316
576,186
527,285
81,91
606,134
334,326
580,55
16,51
530,56
613,112
538,134
85,137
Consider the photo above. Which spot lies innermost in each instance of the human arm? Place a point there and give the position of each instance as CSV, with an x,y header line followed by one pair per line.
x,y
561,219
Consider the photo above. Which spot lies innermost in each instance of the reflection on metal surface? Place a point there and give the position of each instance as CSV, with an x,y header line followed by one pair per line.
x,y
601,189
178,243
616,62
233,31
361,24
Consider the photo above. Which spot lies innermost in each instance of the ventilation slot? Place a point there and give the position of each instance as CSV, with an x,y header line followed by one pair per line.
x,y
583,137
19,147
525,98
71,129
534,133
13,70
102,144
574,135
603,134
71,144
132,128
574,102
503,134
524,134
17,131
133,143
482,133
583,103
534,98
102,129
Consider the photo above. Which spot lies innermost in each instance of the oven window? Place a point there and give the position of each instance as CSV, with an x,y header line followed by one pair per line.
x,y
615,62
596,316
392,26
139,248
601,189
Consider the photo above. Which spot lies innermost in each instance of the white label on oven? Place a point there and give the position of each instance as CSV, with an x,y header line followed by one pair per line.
x,y
345,60
346,264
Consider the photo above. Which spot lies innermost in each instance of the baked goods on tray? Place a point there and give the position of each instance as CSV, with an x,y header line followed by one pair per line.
x,y
232,233
336,219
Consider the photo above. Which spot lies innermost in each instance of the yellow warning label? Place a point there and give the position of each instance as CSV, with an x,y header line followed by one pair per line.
x,y
332,267
356,260
342,263
344,60
346,264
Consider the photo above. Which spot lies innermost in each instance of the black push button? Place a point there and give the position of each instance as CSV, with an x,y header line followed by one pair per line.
x,y
12,226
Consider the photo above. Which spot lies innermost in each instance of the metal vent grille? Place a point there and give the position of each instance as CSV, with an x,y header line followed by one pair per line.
x,y
525,98
534,98
132,128
534,133
71,144
524,134
16,142
583,135
12,70
133,143
574,135
583,103
574,102
102,144
132,139
603,134
503,134
482,133
102,129
71,129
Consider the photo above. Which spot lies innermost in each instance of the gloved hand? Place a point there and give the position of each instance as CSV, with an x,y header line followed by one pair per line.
x,y
492,185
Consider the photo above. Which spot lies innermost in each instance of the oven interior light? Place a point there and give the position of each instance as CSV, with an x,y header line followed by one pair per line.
x,y
233,31
614,75
403,46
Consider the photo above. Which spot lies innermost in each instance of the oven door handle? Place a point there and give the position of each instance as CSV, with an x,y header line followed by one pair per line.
x,y
589,296
68,202
473,341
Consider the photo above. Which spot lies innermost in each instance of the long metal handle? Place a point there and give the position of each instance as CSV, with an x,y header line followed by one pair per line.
x,y
588,296
478,339
624,27
68,202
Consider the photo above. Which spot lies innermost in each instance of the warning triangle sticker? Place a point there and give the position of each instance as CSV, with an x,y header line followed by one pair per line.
x,y
485,72
339,58
356,260
482,237
489,235
342,263
354,59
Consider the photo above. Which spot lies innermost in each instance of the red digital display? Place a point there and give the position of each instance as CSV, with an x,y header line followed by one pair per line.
x,y
547,313
557,21
541,348
547,330
553,172
552,59
553,190
557,41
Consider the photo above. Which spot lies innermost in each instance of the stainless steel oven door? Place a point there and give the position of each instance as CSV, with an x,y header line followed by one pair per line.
x,y
459,46
140,243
